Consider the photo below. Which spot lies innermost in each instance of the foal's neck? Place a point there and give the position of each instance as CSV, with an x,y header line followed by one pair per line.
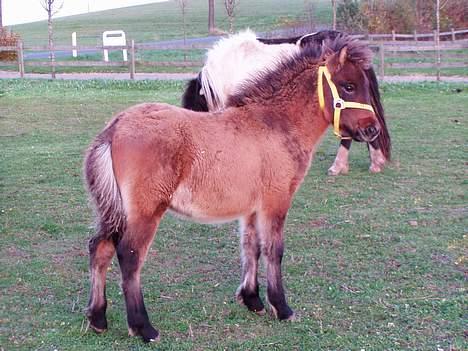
x,y
297,103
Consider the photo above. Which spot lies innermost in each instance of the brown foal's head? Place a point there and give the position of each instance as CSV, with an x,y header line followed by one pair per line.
x,y
346,61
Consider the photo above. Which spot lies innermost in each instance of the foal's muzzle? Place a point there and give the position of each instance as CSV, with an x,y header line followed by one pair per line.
x,y
367,134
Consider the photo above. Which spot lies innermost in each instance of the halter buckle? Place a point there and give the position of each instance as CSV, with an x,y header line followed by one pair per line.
x,y
339,104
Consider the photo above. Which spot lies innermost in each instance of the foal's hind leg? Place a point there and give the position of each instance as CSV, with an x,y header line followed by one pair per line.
x,y
271,231
101,251
131,252
247,293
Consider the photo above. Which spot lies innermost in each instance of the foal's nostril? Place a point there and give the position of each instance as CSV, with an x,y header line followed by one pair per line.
x,y
371,131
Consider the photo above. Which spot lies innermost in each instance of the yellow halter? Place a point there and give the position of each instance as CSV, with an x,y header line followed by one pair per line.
x,y
338,103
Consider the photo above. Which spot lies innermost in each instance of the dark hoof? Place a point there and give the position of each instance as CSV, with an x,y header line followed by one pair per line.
x,y
97,321
148,333
285,314
251,300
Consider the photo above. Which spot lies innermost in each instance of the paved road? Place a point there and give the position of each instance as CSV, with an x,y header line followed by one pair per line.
x,y
185,76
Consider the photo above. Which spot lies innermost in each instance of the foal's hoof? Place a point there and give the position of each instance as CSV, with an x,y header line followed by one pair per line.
x,y
375,169
335,170
251,300
148,333
286,314
98,323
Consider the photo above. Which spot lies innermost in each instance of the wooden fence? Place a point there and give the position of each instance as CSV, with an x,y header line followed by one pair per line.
x,y
421,54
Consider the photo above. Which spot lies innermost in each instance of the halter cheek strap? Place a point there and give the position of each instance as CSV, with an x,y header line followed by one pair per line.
x,y
338,103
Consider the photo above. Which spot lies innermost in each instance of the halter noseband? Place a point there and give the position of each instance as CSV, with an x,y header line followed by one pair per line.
x,y
338,103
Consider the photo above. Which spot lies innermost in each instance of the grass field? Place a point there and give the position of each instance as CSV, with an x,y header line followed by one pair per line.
x,y
163,21
372,262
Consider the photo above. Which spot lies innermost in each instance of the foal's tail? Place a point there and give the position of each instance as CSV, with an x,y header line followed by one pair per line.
x,y
102,186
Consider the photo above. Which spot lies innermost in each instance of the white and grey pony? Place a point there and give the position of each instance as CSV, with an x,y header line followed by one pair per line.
x,y
233,60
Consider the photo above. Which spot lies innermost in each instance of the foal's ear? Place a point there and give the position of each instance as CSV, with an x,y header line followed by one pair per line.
x,y
336,61
343,55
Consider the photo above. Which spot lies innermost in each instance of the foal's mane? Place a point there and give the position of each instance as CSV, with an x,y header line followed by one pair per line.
x,y
270,81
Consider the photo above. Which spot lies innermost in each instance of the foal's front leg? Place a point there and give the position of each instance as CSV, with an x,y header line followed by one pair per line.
x,y
272,249
247,293
376,157
341,163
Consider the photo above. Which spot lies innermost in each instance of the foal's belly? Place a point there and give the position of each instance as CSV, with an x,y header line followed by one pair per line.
x,y
211,206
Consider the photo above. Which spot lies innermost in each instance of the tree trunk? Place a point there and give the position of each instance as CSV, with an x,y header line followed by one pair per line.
x,y
185,34
51,40
334,14
438,38
211,16
1,21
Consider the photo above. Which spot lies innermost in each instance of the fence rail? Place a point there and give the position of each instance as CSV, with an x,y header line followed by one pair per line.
x,y
414,36
386,52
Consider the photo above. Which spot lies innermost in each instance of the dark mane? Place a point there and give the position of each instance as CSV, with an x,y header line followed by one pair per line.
x,y
270,81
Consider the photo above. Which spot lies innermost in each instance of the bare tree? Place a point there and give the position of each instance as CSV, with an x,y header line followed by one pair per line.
x,y
183,9
334,13
309,9
51,7
230,6
211,16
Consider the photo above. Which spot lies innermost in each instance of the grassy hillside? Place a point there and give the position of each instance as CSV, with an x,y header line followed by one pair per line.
x,y
162,21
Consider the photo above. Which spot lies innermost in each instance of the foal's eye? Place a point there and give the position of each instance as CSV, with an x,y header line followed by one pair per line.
x,y
349,87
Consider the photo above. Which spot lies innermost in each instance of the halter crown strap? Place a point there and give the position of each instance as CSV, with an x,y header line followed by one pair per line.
x,y
338,103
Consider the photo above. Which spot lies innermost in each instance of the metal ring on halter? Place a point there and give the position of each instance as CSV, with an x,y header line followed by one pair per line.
x,y
339,104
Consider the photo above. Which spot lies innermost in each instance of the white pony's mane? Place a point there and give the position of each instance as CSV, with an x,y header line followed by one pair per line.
x,y
236,59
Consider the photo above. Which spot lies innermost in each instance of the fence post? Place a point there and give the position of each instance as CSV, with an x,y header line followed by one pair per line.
x,y
453,34
132,60
393,35
437,46
20,59
74,51
415,35
382,61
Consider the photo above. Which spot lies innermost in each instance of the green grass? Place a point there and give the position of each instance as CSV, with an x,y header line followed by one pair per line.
x,y
372,262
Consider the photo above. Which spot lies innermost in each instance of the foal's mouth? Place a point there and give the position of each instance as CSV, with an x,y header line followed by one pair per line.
x,y
367,135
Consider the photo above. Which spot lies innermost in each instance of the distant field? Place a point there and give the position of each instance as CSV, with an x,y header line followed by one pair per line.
x,y
161,21
372,262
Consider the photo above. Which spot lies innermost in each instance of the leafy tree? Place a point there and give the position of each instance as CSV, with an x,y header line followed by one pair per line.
x,y
349,16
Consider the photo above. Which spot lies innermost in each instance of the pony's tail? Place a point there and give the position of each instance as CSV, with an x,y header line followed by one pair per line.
x,y
383,139
103,188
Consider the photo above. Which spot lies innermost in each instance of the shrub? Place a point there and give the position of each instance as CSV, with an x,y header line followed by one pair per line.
x,y
349,16
8,38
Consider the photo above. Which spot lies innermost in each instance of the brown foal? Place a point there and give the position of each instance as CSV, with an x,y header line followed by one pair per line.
x,y
246,164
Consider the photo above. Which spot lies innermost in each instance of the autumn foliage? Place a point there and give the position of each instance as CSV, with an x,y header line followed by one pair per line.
x,y
402,16
8,38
